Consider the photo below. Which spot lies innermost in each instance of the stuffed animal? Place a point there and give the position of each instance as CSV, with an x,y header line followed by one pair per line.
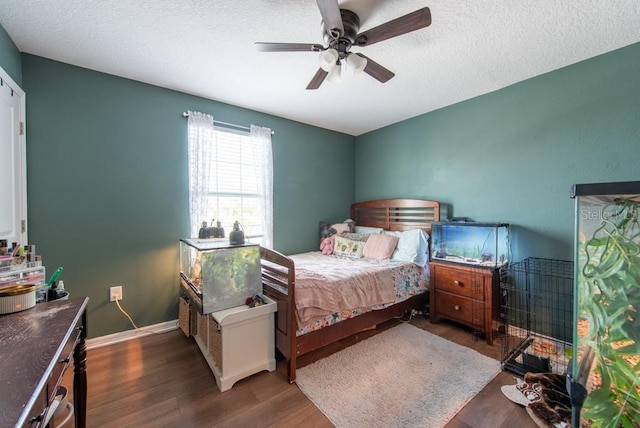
x,y
326,246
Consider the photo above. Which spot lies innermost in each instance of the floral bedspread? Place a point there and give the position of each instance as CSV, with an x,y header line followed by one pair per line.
x,y
408,280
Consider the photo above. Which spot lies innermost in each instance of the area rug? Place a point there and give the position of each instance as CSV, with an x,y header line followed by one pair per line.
x,y
401,377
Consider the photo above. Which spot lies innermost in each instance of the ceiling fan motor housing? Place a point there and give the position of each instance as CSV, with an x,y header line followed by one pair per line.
x,y
342,44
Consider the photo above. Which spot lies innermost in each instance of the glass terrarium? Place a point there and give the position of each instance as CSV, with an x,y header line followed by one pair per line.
x,y
606,359
482,244
222,275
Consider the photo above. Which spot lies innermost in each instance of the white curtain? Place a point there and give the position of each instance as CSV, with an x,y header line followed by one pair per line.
x,y
261,137
201,138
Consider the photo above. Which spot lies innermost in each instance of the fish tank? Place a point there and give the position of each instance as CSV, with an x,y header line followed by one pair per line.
x,y
221,275
605,373
470,243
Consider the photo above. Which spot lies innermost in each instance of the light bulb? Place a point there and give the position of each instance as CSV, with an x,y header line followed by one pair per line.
x,y
356,63
328,59
335,74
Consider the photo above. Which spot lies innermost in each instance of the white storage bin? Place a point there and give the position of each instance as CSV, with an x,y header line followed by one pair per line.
x,y
239,342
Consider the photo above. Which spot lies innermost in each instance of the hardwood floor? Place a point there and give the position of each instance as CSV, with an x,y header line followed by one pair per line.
x,y
163,381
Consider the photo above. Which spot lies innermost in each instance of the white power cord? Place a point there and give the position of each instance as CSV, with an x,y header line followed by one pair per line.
x,y
131,320
126,314
401,319
57,406
67,418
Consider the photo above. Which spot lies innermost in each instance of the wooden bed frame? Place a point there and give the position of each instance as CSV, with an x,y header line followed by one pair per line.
x,y
278,279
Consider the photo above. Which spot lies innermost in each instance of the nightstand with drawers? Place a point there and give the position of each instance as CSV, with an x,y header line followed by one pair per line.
x,y
466,294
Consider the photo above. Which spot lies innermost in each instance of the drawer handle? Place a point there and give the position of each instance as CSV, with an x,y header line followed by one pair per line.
x,y
456,307
40,417
458,283
65,360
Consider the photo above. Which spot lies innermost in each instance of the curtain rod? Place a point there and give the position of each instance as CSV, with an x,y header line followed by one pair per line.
x,y
219,122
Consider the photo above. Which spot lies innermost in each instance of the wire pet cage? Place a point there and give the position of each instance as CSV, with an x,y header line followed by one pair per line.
x,y
537,316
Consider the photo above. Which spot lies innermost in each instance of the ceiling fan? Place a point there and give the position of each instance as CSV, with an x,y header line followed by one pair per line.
x,y
340,32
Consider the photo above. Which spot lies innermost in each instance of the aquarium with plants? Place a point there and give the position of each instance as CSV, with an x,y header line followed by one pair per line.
x,y
606,360
481,244
222,275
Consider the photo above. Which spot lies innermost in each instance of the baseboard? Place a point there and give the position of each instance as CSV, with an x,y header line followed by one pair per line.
x,y
123,336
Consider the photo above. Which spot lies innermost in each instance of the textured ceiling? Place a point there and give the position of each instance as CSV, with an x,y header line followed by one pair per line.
x,y
206,48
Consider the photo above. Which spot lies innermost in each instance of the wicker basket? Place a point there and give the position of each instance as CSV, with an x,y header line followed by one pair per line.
x,y
201,330
193,320
184,317
215,342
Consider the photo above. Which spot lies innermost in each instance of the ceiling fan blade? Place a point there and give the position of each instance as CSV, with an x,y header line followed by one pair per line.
x,y
288,47
421,18
317,79
331,18
376,71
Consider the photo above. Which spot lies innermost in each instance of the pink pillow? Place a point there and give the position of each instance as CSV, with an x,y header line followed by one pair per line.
x,y
380,246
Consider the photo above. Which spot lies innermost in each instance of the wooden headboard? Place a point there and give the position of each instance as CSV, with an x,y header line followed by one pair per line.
x,y
396,214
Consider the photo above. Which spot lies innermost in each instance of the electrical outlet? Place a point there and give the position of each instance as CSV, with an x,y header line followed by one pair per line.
x,y
115,293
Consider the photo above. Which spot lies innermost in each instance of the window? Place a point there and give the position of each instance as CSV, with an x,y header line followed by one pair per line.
x,y
230,176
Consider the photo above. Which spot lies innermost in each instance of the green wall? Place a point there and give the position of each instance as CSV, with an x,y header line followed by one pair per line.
x,y
513,155
10,59
107,173
108,186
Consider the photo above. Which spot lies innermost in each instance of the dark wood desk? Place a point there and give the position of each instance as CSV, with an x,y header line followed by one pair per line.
x,y
36,347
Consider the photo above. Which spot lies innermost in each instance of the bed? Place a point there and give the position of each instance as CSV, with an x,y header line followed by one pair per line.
x,y
279,281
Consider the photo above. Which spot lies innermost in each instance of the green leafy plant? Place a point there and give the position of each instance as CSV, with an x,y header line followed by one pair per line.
x,y
610,301
231,272
476,253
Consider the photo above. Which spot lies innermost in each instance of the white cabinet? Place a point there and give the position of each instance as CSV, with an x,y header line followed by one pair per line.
x,y
238,342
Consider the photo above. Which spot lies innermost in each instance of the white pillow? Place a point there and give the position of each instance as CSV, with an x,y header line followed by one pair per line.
x,y
412,246
368,230
344,247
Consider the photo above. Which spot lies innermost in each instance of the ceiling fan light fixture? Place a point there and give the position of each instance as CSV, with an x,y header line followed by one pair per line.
x,y
340,32
356,63
335,75
328,59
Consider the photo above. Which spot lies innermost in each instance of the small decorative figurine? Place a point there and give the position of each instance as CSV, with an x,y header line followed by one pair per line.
x,y
218,231
236,237
204,231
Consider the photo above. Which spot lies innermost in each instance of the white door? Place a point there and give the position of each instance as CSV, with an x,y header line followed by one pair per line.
x,y
13,189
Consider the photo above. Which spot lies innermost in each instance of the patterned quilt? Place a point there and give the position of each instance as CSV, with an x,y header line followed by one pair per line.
x,y
380,284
